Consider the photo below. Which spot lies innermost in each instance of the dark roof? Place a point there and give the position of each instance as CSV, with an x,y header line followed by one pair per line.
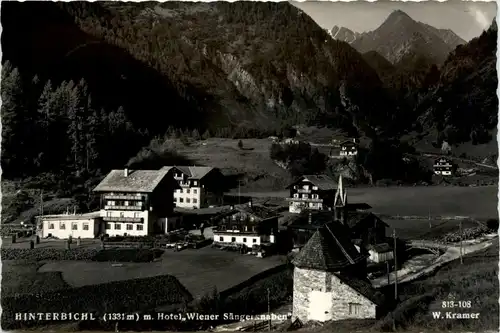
x,y
318,219
257,210
355,218
443,159
137,181
323,182
193,172
380,248
348,142
362,286
358,206
329,249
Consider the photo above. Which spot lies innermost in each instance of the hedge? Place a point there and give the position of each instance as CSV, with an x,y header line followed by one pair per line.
x,y
48,254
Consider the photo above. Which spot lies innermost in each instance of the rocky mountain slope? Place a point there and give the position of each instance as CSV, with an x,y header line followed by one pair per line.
x,y
199,65
399,36
463,104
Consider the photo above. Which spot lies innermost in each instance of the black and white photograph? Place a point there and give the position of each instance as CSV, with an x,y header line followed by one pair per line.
x,y
250,166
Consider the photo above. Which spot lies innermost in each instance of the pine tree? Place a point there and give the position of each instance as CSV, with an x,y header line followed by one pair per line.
x,y
195,135
14,117
206,135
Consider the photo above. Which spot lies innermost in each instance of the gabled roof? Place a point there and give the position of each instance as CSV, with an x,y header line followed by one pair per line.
x,y
329,249
323,182
348,142
380,248
355,218
193,172
362,286
137,181
443,159
258,211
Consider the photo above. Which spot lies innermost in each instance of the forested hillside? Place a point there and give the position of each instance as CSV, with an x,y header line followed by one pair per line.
x,y
86,85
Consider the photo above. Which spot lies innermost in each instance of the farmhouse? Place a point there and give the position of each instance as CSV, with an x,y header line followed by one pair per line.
x,y
199,187
312,192
62,226
444,167
367,227
349,148
247,225
138,202
329,280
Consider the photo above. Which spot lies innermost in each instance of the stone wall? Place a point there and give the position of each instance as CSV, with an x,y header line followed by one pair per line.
x,y
307,283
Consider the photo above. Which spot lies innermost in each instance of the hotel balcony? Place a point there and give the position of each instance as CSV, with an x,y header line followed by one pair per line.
x,y
123,219
123,197
139,208
303,200
302,190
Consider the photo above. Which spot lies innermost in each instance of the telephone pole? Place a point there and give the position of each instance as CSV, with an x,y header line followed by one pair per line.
x,y
395,266
430,223
461,246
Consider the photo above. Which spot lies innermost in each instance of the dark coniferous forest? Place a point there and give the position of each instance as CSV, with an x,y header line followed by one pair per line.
x,y
86,85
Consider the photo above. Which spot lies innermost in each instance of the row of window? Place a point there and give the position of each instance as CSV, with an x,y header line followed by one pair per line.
x,y
233,239
74,226
188,200
306,196
188,190
306,187
118,226
122,214
124,203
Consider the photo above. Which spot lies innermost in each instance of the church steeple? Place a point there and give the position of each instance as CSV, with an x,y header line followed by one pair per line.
x,y
340,202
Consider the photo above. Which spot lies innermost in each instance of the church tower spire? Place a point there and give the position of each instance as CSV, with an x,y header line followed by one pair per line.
x,y
340,202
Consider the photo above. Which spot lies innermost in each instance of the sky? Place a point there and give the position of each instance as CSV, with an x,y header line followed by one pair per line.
x,y
466,18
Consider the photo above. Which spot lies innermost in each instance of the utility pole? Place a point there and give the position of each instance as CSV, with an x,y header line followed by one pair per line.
x,y
430,223
388,273
269,308
461,246
395,266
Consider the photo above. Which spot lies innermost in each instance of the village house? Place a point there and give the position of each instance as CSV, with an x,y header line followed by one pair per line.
x,y
138,202
329,279
249,225
349,148
199,187
311,192
444,167
63,226
380,253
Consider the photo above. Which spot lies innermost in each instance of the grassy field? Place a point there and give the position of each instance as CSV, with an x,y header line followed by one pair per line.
x,y
478,202
425,229
198,270
253,160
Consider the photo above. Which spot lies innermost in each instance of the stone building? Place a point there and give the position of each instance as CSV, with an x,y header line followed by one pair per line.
x,y
330,281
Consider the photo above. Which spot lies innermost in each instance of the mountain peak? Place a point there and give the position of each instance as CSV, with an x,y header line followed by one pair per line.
x,y
398,16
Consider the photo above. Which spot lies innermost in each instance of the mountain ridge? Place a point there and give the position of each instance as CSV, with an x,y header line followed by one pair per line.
x,y
400,35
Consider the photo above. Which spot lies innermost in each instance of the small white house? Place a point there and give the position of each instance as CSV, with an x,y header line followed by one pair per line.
x,y
380,253
62,226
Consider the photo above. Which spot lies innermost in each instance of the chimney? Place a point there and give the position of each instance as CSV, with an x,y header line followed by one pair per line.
x,y
309,220
125,172
74,210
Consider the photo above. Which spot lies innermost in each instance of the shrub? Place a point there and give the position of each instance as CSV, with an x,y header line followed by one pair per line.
x,y
48,254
